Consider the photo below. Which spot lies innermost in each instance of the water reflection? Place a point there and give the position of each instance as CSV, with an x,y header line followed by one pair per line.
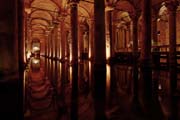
x,y
56,91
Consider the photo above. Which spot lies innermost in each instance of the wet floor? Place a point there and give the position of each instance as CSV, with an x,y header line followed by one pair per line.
x,y
129,92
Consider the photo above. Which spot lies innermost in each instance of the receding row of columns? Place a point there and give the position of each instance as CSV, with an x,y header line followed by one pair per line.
x,y
56,44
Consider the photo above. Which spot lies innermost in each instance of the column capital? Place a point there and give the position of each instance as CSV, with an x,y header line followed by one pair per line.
x,y
155,12
172,5
73,2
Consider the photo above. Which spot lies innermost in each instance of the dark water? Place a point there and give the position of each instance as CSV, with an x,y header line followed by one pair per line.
x,y
131,92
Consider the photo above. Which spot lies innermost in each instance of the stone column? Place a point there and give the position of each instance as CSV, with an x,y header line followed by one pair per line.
x,y
172,7
91,41
146,67
55,22
63,43
154,26
155,55
135,18
146,40
20,18
74,62
46,43
99,60
109,31
74,31
51,42
46,50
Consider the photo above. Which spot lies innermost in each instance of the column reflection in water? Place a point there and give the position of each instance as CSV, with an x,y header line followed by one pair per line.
x,y
99,89
59,77
74,94
84,77
149,99
166,93
120,92
85,97
136,107
25,80
108,82
63,97
39,94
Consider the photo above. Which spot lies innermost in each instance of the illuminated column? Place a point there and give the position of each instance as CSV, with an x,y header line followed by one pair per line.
x,y
80,40
99,60
62,43
108,31
154,25
155,57
48,46
51,42
172,7
55,36
135,18
114,35
46,43
91,41
59,49
74,30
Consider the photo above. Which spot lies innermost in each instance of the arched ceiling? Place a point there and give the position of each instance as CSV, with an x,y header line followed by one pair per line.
x,y
45,5
43,12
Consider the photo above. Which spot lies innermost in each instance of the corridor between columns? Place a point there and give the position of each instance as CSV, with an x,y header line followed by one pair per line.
x,y
90,59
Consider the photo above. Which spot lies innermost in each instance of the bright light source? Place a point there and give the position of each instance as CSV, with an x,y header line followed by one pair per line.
x,y
108,51
160,87
35,48
28,54
36,61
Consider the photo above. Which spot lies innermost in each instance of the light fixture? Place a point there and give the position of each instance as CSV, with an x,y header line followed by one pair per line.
x,y
35,48
35,61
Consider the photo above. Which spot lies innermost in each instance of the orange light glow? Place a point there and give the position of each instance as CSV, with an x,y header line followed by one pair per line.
x,y
35,61
108,80
36,48
28,54
89,55
108,54
70,74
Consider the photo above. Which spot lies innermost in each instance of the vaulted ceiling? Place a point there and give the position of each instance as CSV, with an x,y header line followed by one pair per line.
x,y
42,13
